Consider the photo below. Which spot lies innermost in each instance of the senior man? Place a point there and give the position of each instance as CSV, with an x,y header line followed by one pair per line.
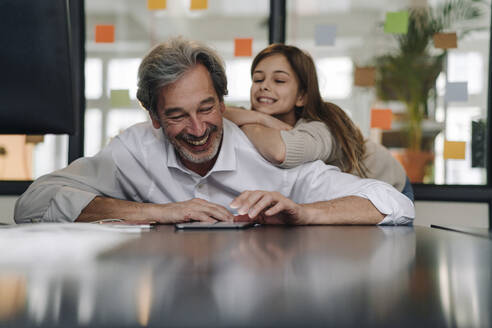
x,y
191,164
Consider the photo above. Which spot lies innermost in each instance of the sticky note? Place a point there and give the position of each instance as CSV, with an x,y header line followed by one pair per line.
x,y
454,149
456,91
120,98
396,22
104,33
364,76
381,118
324,35
198,4
243,47
445,40
156,4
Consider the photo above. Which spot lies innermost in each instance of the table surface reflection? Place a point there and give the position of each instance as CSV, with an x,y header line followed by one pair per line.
x,y
264,276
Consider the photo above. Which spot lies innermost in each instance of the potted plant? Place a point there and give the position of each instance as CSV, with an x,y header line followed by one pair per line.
x,y
409,74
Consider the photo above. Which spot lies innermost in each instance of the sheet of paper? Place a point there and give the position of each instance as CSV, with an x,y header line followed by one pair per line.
x,y
198,4
156,4
445,40
396,22
120,98
104,33
364,76
243,47
454,149
456,91
325,35
381,118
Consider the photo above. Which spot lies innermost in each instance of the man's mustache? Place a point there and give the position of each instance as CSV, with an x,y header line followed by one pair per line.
x,y
190,137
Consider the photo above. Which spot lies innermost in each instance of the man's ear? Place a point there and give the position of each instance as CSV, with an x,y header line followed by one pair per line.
x,y
155,121
222,107
301,99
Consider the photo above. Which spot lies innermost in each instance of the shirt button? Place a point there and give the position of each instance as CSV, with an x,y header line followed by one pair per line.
x,y
200,186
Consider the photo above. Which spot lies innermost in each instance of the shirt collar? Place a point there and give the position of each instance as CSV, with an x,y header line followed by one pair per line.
x,y
226,160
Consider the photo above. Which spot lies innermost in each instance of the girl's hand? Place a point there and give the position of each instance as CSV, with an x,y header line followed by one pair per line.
x,y
272,122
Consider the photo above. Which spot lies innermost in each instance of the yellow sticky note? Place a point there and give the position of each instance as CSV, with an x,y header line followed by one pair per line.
x,y
120,98
243,47
156,4
396,22
454,149
104,33
198,4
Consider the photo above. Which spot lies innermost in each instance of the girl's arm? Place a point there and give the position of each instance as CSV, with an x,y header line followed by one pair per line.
x,y
262,130
267,141
242,116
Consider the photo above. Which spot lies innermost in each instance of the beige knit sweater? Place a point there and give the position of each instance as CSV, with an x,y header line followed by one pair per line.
x,y
309,141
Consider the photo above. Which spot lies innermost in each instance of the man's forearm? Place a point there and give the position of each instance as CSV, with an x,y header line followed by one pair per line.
x,y
105,208
191,210
346,210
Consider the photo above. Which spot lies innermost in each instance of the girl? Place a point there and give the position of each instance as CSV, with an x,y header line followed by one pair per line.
x,y
290,124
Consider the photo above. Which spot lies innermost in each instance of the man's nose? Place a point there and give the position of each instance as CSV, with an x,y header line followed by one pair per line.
x,y
197,127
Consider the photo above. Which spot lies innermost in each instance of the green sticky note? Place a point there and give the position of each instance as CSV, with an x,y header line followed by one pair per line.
x,y
120,98
396,22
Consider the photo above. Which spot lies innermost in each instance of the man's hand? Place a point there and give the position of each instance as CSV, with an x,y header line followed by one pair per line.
x,y
273,208
268,207
195,210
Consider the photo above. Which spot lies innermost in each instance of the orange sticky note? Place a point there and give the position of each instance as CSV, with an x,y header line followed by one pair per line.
x,y
445,40
104,33
156,4
364,76
198,4
381,118
454,149
243,47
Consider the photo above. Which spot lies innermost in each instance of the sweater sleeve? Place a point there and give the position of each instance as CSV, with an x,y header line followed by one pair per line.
x,y
306,142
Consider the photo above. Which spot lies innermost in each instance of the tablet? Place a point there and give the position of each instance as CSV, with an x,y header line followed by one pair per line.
x,y
214,225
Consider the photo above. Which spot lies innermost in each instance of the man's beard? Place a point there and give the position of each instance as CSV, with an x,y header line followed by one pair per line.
x,y
188,155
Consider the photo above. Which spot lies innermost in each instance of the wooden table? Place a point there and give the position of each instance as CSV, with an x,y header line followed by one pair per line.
x,y
264,276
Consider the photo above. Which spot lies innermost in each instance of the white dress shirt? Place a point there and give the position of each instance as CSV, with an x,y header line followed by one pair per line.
x,y
141,165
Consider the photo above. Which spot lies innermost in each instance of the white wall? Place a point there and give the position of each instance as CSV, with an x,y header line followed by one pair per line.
x,y
475,215
445,213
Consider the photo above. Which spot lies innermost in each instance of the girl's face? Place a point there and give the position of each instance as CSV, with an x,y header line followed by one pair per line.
x,y
275,89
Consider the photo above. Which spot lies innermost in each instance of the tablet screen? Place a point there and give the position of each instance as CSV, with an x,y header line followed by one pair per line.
x,y
214,225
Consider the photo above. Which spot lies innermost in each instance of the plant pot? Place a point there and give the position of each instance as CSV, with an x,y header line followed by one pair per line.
x,y
414,163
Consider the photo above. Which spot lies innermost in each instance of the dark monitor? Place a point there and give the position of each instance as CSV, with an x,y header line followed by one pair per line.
x,y
36,84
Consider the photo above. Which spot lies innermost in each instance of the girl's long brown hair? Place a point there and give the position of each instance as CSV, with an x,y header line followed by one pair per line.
x,y
347,135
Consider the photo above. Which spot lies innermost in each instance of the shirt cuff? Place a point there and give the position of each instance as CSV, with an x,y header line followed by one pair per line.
x,y
397,208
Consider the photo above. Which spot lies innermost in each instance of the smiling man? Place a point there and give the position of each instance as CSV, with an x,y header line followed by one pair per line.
x,y
190,164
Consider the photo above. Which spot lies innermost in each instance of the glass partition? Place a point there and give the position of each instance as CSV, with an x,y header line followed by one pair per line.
x,y
375,54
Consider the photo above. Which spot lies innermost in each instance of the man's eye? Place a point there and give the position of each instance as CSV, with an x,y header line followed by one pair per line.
x,y
257,80
280,81
179,117
204,110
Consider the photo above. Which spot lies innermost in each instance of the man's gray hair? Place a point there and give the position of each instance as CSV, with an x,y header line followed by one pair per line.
x,y
168,61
